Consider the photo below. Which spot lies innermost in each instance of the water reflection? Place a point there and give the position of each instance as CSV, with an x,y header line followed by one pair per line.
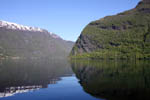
x,y
114,80
18,76
10,91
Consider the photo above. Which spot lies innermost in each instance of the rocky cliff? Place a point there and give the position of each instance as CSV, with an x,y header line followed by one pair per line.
x,y
125,35
23,41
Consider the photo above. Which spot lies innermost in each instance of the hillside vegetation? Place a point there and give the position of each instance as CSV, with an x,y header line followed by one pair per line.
x,y
122,36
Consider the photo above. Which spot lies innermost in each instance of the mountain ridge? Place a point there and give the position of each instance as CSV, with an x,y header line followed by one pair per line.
x,y
15,26
10,25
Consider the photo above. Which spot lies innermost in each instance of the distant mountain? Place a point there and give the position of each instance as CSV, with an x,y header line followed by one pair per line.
x,y
122,36
23,41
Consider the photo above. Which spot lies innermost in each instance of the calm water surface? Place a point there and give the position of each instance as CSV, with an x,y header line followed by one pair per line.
x,y
40,80
43,79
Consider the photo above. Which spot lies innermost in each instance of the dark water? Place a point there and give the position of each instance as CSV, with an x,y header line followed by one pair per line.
x,y
40,80
45,79
114,80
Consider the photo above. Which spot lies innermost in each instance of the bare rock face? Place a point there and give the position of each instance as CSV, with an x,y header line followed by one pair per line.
x,y
84,44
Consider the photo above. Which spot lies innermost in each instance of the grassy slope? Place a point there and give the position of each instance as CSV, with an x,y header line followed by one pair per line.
x,y
126,35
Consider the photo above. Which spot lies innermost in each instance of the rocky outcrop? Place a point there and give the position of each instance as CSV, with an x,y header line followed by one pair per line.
x,y
84,44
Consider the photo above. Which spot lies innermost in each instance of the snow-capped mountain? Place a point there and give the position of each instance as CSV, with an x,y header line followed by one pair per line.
x,y
24,41
14,26
55,36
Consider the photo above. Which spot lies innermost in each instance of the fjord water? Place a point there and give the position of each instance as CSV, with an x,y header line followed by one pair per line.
x,y
40,79
114,80
44,79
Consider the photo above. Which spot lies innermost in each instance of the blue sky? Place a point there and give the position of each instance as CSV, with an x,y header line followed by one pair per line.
x,y
66,18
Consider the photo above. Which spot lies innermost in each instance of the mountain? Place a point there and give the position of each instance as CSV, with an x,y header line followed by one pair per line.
x,y
122,36
23,41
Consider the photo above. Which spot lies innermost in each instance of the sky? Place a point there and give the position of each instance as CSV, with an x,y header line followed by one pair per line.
x,y
66,18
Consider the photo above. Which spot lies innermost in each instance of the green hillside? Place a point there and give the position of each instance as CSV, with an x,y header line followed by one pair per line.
x,y
122,36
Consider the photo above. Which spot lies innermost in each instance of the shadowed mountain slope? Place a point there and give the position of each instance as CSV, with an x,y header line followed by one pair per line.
x,y
23,41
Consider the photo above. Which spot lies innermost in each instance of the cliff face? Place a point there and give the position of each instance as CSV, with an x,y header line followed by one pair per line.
x,y
125,35
22,41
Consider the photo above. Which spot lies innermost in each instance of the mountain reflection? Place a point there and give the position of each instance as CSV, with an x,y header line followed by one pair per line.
x,y
114,80
18,76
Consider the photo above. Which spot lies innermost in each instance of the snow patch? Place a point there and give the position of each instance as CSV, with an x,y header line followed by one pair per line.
x,y
15,26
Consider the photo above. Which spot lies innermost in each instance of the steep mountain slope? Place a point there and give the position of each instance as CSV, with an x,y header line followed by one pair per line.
x,y
126,35
23,41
